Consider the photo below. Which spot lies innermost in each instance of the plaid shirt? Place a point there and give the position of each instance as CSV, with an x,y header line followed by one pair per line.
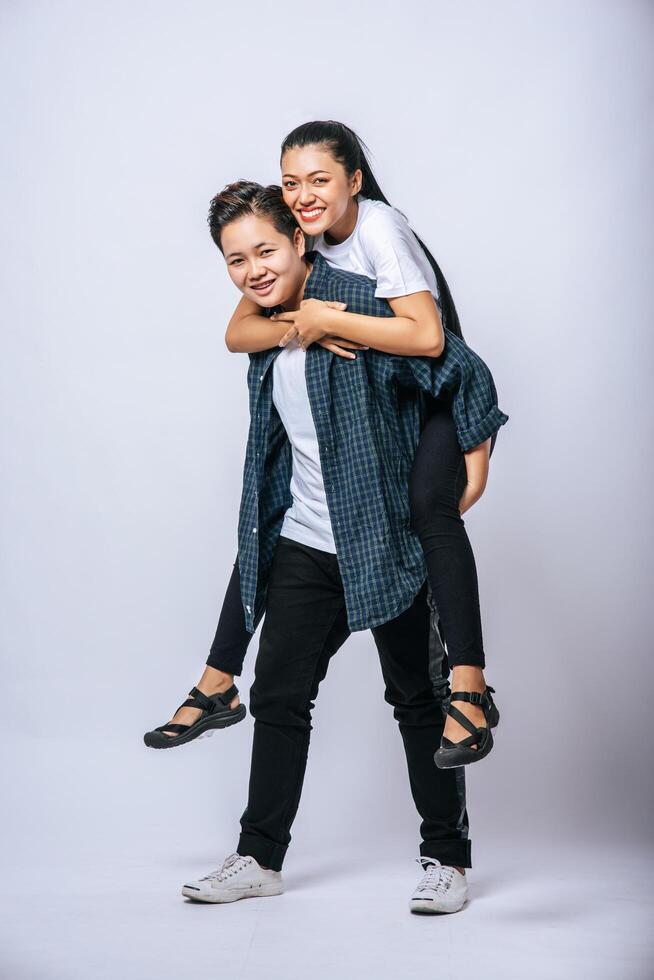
x,y
368,424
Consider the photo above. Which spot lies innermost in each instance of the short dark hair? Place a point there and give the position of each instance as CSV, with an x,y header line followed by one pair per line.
x,y
247,197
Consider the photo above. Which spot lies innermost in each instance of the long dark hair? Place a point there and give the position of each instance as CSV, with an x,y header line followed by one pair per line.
x,y
247,197
350,151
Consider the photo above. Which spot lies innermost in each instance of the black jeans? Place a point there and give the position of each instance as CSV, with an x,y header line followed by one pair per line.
x,y
438,478
305,625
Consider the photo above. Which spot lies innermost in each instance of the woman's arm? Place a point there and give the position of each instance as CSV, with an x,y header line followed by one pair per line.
x,y
477,460
414,330
249,331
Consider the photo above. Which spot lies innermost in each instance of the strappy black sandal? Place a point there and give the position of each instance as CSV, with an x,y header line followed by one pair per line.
x,y
216,713
452,754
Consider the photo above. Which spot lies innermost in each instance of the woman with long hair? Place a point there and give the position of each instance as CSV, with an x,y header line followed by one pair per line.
x,y
324,537
329,187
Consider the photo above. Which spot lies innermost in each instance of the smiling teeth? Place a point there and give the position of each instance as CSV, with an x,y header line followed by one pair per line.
x,y
310,214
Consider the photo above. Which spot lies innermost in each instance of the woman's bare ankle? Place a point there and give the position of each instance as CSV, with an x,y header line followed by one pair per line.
x,y
216,682
468,678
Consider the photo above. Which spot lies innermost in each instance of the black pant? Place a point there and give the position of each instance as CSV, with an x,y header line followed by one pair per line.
x,y
438,478
305,625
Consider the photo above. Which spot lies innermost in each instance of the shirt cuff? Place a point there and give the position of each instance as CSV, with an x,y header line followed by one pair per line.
x,y
483,430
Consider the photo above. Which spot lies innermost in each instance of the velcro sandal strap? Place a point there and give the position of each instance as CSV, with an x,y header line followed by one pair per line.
x,y
172,727
197,699
228,696
474,697
462,720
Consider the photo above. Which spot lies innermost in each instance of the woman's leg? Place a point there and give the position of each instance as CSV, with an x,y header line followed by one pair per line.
x,y
227,651
437,482
232,638
305,625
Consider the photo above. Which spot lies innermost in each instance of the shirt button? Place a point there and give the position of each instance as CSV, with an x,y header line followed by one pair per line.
x,y
254,530
261,377
248,609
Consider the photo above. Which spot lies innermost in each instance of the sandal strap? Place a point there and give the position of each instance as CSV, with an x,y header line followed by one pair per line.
x,y
465,743
173,726
227,696
462,720
483,699
201,700
197,699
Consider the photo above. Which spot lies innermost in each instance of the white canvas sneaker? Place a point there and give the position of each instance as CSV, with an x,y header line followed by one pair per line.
x,y
239,877
441,889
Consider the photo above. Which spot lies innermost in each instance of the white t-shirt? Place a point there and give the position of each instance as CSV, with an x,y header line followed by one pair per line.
x,y
307,519
382,247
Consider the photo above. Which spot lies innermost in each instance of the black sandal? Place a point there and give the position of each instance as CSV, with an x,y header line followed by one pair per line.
x,y
216,713
452,754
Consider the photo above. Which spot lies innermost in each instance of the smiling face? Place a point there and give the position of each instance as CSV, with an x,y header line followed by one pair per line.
x,y
317,188
262,262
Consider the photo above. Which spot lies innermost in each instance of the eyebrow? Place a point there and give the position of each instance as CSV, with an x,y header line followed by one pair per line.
x,y
260,245
312,174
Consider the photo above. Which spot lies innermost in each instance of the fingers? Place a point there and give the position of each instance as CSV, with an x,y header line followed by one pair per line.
x,y
278,317
351,344
333,305
337,349
290,334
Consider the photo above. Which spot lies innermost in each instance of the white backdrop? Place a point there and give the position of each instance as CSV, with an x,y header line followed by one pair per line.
x,y
517,138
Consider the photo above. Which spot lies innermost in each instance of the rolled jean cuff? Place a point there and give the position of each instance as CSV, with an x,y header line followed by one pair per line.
x,y
467,660
228,666
267,853
454,853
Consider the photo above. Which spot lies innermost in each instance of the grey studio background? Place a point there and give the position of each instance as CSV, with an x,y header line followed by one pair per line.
x,y
517,139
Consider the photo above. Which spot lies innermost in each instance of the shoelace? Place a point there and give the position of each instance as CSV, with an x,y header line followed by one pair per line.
x,y
232,865
436,878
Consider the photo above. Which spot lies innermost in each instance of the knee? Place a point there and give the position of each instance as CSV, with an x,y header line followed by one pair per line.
x,y
421,710
274,705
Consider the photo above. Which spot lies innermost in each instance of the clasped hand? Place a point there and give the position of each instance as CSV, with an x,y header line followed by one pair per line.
x,y
310,325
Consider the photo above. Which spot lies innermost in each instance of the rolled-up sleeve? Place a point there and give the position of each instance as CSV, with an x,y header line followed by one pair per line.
x,y
461,373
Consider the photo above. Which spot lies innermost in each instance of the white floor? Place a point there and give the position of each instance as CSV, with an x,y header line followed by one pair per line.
x,y
98,838
540,915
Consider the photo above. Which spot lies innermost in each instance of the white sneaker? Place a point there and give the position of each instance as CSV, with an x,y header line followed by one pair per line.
x,y
441,889
239,877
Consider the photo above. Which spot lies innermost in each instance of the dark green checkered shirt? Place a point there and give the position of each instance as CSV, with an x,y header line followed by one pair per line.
x,y
368,425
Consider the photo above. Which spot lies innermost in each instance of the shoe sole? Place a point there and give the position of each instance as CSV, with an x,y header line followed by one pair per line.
x,y
265,891
206,727
421,910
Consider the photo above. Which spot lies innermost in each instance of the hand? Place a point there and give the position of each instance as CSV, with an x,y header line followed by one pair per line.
x,y
309,324
470,496
477,461
338,345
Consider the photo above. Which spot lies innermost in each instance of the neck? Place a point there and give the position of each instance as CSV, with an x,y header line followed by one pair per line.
x,y
344,227
294,300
